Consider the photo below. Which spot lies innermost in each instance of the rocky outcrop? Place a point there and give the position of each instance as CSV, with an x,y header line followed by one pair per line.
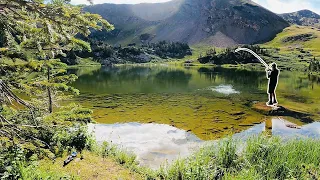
x,y
303,18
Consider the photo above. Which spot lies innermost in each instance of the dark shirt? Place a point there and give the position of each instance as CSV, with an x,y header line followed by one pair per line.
x,y
273,77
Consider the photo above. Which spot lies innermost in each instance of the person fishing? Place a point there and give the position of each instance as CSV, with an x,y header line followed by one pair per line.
x,y
272,74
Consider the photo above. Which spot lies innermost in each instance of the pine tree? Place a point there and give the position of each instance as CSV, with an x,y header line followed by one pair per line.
x,y
46,30
37,32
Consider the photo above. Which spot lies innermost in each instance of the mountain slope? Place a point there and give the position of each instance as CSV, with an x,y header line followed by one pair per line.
x,y
215,22
297,37
303,17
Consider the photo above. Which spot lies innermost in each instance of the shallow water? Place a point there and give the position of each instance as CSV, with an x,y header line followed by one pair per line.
x,y
279,127
157,144
203,103
154,144
209,102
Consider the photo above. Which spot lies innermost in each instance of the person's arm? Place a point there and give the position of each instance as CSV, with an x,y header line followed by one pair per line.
x,y
268,72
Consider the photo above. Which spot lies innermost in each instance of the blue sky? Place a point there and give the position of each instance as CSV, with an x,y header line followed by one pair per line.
x,y
277,6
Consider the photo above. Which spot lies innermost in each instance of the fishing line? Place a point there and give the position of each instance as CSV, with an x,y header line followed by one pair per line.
x,y
255,55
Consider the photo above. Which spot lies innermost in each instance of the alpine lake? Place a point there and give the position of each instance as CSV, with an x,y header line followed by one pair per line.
x,y
163,112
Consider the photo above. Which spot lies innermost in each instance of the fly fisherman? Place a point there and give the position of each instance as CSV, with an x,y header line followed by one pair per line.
x,y
273,76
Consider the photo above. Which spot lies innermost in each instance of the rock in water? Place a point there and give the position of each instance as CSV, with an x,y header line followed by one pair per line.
x,y
282,111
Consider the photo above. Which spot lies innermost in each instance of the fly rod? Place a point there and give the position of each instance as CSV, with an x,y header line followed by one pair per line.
x,y
255,55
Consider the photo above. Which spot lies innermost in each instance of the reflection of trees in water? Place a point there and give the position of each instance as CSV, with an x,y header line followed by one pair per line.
x,y
124,78
240,78
117,74
112,78
177,78
209,74
131,74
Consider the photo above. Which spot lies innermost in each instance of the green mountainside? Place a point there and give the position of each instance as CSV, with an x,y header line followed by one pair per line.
x,y
220,23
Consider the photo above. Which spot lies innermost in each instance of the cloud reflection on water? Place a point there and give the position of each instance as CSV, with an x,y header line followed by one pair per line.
x,y
154,144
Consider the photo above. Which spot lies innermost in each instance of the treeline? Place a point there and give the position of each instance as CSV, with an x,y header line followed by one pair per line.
x,y
107,54
229,56
314,65
165,49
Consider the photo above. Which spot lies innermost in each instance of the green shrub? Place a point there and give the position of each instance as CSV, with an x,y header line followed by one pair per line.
x,y
75,137
11,156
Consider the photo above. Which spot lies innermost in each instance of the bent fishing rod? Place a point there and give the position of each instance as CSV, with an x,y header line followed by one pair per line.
x,y
255,55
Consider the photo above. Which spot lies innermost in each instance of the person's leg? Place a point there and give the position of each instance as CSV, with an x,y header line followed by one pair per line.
x,y
270,99
275,101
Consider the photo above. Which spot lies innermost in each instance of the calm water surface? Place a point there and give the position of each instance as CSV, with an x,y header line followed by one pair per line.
x,y
162,112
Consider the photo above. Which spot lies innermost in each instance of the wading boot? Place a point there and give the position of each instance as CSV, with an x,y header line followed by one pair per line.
x,y
269,103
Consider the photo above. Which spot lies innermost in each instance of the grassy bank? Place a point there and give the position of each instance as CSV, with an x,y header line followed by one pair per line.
x,y
105,161
261,157
92,166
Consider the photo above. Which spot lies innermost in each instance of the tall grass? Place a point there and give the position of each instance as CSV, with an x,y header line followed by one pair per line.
x,y
119,155
275,159
260,157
